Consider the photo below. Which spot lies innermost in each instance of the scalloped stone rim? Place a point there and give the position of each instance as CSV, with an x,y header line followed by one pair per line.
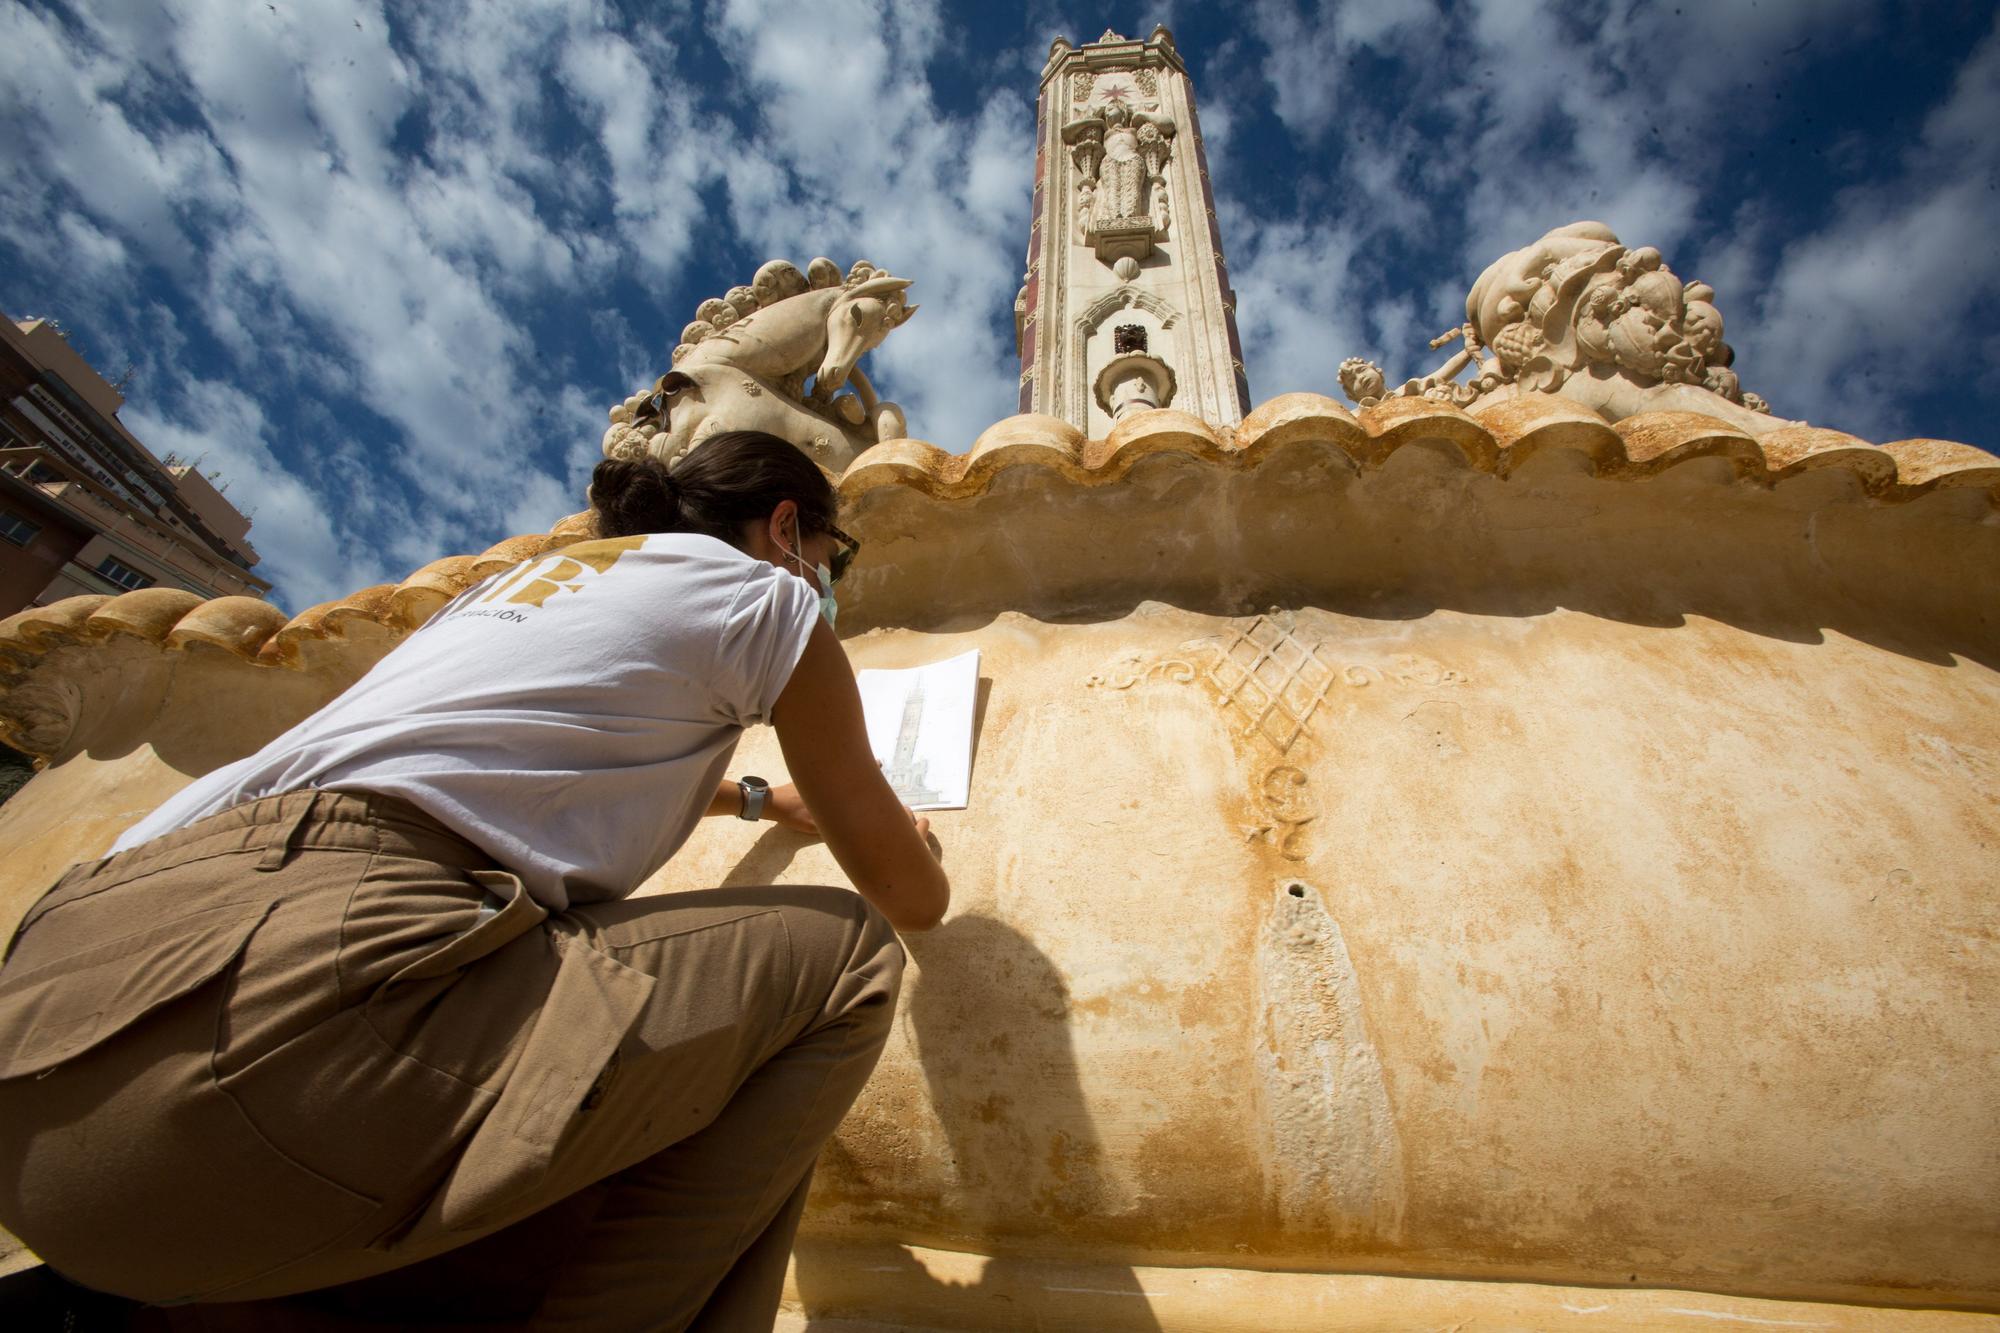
x,y
1496,441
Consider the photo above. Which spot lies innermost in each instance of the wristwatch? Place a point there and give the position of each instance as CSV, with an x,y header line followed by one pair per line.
x,y
755,791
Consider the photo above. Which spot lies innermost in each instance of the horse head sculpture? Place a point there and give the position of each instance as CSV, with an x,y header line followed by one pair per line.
x,y
744,363
857,324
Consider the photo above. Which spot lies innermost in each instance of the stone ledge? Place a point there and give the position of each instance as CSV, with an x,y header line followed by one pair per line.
x,y
867,1287
1497,442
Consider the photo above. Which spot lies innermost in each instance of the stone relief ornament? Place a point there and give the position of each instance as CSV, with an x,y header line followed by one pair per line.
x,y
745,360
1580,314
1120,145
1271,678
1271,681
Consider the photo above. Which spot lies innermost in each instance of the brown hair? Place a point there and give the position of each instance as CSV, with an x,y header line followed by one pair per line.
x,y
725,482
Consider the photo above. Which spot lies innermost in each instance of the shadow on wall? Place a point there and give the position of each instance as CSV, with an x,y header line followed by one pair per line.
x,y
15,770
990,1018
767,860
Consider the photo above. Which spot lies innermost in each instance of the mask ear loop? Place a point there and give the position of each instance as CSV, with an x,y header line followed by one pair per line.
x,y
798,552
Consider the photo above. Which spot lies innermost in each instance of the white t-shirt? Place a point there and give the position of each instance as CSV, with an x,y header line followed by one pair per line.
x,y
570,716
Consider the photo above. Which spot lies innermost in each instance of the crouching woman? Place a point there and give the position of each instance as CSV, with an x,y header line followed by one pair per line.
x,y
379,991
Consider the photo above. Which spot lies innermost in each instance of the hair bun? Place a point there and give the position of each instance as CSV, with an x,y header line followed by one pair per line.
x,y
635,495
734,478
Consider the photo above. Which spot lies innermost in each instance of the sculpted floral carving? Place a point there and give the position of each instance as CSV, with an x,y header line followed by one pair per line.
x,y
1581,314
1132,669
744,362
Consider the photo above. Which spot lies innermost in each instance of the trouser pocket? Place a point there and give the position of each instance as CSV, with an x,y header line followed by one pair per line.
x,y
128,1169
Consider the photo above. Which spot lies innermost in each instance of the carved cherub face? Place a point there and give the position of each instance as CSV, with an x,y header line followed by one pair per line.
x,y
1362,380
1703,323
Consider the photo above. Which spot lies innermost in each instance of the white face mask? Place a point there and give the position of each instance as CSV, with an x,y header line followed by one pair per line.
x,y
828,608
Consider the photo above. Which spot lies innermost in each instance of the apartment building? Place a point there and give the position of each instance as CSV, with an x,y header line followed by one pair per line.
x,y
84,506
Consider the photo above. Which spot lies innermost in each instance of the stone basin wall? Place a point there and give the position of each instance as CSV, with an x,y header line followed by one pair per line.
x,y
1446,859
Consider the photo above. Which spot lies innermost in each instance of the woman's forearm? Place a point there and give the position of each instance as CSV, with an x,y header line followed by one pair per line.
x,y
727,800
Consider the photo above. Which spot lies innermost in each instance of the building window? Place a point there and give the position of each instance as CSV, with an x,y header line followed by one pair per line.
x,y
16,529
122,574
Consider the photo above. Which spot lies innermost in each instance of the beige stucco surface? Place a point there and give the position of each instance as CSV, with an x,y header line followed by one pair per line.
x,y
1610,905
1546,984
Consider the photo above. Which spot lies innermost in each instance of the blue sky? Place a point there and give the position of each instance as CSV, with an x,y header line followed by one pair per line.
x,y
386,267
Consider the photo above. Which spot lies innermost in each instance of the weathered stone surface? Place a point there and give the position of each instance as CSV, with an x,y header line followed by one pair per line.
x,y
1494,844
1605,927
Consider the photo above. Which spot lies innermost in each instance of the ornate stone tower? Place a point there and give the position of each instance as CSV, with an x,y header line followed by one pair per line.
x,y
1127,304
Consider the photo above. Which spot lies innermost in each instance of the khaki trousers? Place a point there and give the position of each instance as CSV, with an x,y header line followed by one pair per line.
x,y
317,1038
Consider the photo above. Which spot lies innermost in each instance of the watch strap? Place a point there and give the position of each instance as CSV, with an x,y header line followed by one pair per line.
x,y
755,791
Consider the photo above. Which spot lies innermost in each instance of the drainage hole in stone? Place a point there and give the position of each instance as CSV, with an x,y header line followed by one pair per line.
x,y
1296,890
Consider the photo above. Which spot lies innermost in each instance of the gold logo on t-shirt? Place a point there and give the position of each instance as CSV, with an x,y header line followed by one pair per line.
x,y
562,571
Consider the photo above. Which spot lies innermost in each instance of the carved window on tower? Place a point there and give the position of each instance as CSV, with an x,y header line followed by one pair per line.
x,y
1128,338
1092,340
1121,139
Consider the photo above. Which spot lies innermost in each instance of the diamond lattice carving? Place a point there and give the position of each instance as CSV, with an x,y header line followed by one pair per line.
x,y
1274,679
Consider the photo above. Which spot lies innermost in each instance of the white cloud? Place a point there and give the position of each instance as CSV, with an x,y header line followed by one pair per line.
x,y
1531,118
1308,52
365,232
1891,288
132,182
227,432
340,267
876,171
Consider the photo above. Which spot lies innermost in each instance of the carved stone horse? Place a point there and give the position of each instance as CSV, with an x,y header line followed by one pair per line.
x,y
752,376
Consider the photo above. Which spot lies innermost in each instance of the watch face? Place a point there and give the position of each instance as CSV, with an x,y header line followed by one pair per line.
x,y
758,783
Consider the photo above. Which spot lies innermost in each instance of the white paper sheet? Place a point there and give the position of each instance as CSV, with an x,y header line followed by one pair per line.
x,y
920,728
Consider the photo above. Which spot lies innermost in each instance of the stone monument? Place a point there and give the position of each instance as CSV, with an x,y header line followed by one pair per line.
x,y
1518,854
1123,237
